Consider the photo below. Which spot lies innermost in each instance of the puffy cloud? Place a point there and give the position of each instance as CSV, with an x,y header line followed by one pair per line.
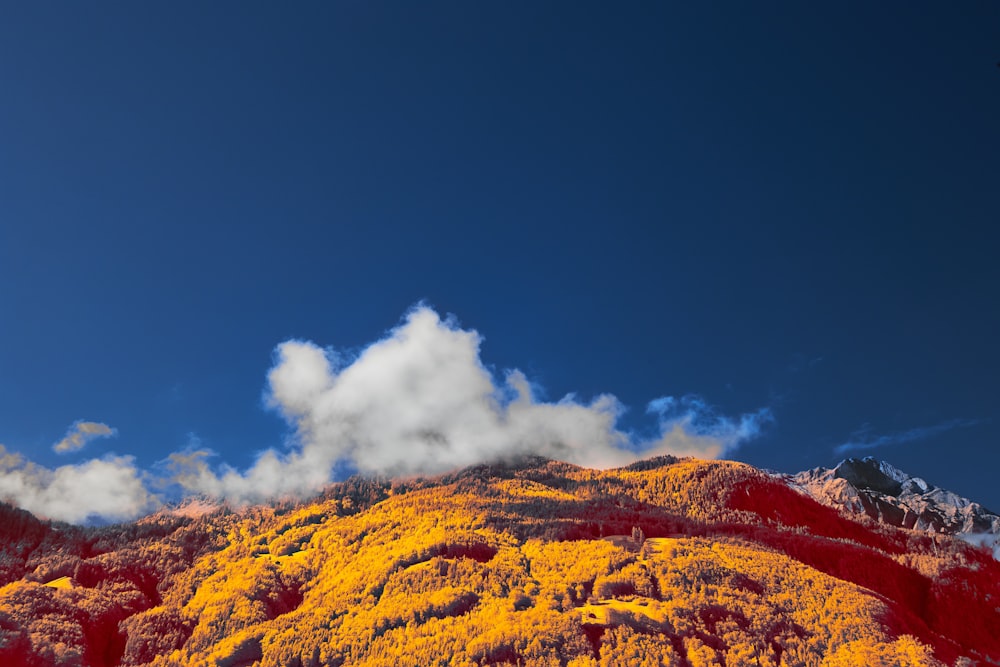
x,y
418,401
81,433
421,401
110,488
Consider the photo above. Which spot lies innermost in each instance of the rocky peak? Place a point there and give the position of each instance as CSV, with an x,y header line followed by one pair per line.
x,y
871,475
883,492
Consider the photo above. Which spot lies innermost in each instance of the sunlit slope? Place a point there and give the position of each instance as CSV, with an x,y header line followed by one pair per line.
x,y
539,563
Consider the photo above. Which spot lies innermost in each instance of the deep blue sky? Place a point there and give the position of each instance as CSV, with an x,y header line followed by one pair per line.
x,y
784,205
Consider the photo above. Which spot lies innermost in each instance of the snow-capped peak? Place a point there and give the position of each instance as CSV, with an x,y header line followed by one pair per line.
x,y
887,494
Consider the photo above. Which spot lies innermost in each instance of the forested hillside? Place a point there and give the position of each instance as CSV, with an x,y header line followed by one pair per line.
x,y
666,562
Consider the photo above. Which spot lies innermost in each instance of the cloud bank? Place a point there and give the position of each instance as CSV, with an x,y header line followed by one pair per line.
x,y
81,433
109,488
421,401
418,401
862,440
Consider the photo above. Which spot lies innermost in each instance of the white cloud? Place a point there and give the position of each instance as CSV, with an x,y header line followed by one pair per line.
x,y
418,401
81,433
110,488
421,401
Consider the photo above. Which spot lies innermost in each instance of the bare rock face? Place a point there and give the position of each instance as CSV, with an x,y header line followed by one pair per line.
x,y
884,493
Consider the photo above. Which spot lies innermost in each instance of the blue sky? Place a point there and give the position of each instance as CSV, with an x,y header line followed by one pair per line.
x,y
781,210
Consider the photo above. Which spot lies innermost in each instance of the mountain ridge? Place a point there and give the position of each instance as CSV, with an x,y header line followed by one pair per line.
x,y
533,562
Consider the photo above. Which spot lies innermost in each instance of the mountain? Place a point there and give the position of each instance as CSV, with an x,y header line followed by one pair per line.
x,y
878,490
674,562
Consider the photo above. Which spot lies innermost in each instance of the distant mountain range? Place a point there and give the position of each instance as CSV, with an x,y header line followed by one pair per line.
x,y
886,494
676,562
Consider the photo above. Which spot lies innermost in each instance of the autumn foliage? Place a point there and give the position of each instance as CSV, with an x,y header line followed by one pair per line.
x,y
667,562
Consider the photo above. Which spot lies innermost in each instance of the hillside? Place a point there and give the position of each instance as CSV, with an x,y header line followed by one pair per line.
x,y
673,562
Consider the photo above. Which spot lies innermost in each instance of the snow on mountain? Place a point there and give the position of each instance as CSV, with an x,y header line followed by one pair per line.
x,y
885,493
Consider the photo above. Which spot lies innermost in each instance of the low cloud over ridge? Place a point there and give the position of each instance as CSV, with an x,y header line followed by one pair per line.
x,y
109,488
418,401
421,401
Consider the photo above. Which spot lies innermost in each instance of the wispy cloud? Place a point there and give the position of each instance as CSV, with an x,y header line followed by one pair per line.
x,y
81,433
690,417
801,362
862,439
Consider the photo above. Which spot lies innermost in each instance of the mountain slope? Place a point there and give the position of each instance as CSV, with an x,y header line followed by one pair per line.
x,y
535,562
